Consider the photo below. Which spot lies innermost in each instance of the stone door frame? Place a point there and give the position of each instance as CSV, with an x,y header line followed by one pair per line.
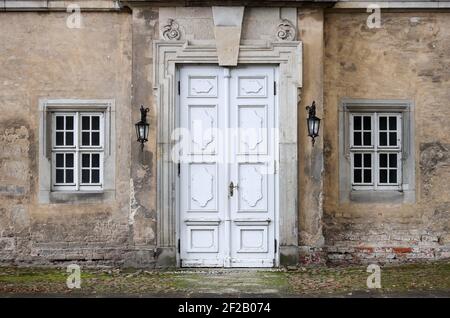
x,y
166,56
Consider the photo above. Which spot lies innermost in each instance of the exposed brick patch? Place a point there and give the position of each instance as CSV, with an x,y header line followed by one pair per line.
x,y
402,250
342,254
311,255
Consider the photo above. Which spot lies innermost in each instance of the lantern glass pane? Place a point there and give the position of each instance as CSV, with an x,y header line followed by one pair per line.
x,y
137,131
310,126
146,131
316,126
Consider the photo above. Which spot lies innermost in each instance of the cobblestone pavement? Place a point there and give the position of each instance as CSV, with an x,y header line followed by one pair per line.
x,y
413,280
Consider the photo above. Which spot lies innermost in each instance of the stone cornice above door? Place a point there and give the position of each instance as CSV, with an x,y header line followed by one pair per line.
x,y
169,53
229,27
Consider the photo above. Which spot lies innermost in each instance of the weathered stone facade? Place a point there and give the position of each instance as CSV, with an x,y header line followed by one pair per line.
x,y
42,58
406,59
111,57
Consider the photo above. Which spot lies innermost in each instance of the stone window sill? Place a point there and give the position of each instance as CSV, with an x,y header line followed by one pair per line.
x,y
386,196
75,197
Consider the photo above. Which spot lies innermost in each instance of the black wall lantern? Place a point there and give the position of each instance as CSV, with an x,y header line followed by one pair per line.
x,y
142,127
313,122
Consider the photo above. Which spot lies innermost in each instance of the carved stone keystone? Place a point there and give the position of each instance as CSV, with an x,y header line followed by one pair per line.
x,y
227,32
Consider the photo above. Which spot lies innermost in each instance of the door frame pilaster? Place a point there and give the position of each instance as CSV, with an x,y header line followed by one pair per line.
x,y
167,55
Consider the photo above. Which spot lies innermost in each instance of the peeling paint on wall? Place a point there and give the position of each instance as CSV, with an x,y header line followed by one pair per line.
x,y
134,206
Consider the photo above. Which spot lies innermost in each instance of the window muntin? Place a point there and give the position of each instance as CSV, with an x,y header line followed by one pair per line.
x,y
389,172
362,135
362,168
77,150
90,168
90,130
64,130
375,150
388,128
64,168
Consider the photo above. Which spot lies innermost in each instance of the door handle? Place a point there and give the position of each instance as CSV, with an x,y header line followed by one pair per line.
x,y
231,188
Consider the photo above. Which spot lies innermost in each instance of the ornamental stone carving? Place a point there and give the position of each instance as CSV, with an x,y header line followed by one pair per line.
x,y
286,31
171,30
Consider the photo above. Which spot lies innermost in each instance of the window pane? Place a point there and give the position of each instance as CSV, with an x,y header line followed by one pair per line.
x,y
383,123
85,176
367,123
95,176
59,160
59,122
85,123
392,123
85,160
59,176
357,122
383,139
69,160
367,176
95,122
357,139
392,176
393,160
95,139
357,160
85,139
367,160
69,176
357,176
367,139
69,123
69,138
383,176
96,160
383,160
59,138
392,139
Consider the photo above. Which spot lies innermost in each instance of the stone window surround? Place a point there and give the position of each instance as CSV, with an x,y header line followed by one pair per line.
x,y
46,195
407,194
288,56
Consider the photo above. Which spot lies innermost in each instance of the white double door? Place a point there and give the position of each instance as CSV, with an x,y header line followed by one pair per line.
x,y
227,171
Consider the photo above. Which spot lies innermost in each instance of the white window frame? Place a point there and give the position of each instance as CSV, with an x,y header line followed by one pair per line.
x,y
375,150
402,192
82,194
78,149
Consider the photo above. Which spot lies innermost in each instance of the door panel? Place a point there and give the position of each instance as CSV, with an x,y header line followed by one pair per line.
x,y
230,116
201,180
252,210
